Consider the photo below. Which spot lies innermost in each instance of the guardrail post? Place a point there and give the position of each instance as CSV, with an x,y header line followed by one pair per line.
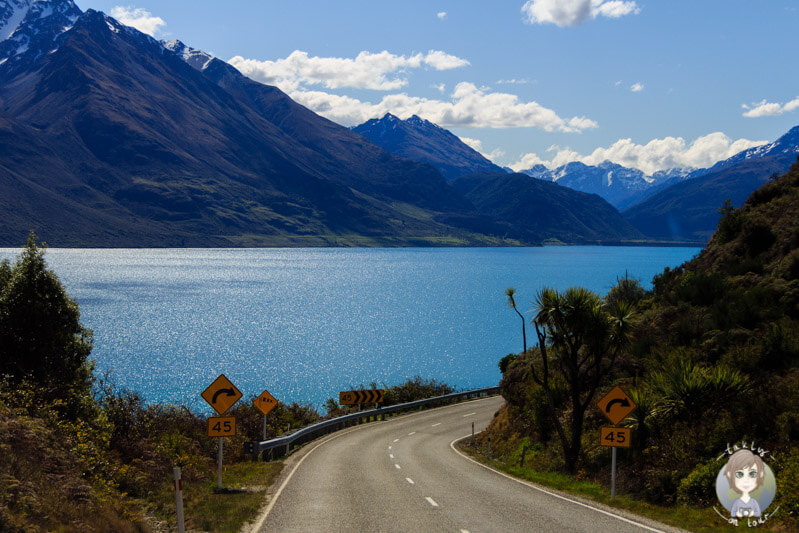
x,y
489,446
524,452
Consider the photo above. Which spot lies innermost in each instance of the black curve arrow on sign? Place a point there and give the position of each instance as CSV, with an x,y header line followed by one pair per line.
x,y
624,402
228,392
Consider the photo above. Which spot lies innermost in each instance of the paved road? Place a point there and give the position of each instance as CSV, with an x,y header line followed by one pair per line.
x,y
403,475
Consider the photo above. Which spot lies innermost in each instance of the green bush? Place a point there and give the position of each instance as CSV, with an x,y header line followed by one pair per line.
x,y
731,222
41,338
788,489
699,487
506,361
756,237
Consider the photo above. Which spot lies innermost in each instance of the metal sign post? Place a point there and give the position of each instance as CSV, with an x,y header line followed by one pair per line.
x,y
613,474
265,403
615,405
219,466
221,395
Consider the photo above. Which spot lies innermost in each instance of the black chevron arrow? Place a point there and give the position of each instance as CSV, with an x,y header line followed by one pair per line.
x,y
624,402
228,392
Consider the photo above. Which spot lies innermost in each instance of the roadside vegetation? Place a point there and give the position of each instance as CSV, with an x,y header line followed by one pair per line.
x,y
710,356
80,454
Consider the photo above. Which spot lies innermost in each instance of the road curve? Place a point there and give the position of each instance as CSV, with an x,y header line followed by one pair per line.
x,y
403,475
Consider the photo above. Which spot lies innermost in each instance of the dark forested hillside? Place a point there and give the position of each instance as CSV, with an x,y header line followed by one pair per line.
x,y
713,360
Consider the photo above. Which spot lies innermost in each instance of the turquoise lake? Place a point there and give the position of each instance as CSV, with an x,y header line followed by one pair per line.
x,y
308,323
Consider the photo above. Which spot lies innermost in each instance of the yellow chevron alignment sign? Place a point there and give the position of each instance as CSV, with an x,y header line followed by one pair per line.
x,y
357,397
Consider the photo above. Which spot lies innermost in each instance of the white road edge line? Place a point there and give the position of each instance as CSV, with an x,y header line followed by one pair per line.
x,y
581,504
431,501
259,524
470,414
409,480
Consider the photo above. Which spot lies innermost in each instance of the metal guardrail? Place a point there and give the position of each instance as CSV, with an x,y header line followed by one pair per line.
x,y
308,433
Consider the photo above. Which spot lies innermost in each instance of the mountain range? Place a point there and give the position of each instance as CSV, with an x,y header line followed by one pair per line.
x,y
111,138
689,210
676,206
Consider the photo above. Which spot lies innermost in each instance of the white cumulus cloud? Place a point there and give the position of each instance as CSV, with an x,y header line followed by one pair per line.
x,y
138,18
575,12
770,109
467,107
442,15
657,154
637,87
380,71
477,146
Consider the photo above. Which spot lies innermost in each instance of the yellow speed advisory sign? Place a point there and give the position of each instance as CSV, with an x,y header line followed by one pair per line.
x,y
222,426
615,437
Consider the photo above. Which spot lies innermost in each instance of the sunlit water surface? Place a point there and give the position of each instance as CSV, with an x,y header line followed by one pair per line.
x,y
307,323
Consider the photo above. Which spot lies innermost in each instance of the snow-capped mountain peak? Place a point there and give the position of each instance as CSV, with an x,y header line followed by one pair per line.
x,y
197,59
11,15
31,28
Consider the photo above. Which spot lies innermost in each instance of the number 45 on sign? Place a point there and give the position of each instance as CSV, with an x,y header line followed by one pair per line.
x,y
615,437
222,426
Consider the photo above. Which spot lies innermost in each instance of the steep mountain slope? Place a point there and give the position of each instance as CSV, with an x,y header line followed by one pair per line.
x,y
164,155
420,140
688,210
548,211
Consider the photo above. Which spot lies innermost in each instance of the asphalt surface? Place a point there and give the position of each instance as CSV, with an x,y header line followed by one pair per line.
x,y
404,475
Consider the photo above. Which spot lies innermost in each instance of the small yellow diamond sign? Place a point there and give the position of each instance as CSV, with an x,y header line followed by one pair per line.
x,y
221,394
265,402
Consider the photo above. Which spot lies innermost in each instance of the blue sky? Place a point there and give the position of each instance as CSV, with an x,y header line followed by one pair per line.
x,y
648,84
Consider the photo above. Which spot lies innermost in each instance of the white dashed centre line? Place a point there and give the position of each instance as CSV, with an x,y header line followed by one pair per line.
x,y
391,455
431,501
389,447
409,480
470,414
464,531
396,440
397,466
434,425
411,433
